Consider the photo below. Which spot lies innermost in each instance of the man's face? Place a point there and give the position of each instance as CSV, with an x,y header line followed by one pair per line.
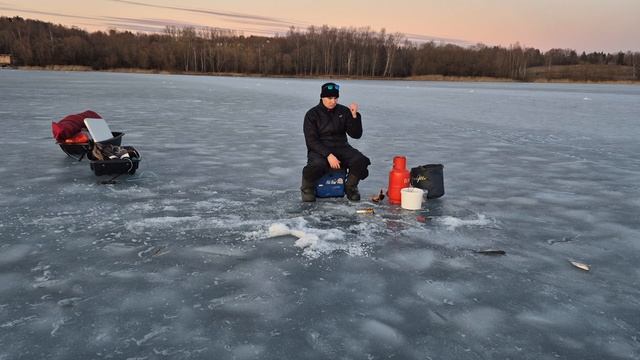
x,y
329,102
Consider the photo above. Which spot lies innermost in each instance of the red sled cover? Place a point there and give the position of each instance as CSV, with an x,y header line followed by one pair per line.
x,y
71,125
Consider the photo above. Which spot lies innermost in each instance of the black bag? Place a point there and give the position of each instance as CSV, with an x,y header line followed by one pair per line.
x,y
429,177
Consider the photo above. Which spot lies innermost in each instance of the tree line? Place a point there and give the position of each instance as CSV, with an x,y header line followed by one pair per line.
x,y
315,51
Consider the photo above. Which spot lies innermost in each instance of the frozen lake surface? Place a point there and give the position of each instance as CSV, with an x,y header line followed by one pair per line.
x,y
190,257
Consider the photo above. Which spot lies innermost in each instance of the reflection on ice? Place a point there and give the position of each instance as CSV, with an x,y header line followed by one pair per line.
x,y
452,222
482,321
159,223
379,332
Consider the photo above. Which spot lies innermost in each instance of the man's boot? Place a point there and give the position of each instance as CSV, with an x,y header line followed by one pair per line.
x,y
308,189
351,188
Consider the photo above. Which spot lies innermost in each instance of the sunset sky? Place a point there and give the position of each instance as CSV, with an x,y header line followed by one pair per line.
x,y
583,25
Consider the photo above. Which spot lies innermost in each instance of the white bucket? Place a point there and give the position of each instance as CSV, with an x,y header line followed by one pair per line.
x,y
411,198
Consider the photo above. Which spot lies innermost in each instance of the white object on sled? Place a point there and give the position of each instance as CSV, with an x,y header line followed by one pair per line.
x,y
98,129
411,198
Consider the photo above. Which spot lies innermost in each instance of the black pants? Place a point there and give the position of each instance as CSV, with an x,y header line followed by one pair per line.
x,y
350,159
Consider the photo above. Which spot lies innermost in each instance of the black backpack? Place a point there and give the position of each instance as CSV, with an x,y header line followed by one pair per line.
x,y
429,177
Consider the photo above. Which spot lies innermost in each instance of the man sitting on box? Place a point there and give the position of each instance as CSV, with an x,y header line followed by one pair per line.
x,y
326,127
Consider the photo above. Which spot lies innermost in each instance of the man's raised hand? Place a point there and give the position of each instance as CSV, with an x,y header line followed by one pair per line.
x,y
354,110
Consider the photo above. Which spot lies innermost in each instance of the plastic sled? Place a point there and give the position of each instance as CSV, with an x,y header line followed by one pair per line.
x,y
79,150
115,166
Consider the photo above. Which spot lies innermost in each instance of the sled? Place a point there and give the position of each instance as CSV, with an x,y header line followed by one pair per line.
x,y
79,150
115,166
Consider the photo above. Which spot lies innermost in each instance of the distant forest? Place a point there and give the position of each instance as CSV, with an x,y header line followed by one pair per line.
x,y
315,51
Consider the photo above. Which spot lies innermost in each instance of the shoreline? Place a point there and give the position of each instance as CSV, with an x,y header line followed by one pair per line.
x,y
434,78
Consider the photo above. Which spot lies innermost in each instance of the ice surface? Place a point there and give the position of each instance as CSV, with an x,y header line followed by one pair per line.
x,y
208,253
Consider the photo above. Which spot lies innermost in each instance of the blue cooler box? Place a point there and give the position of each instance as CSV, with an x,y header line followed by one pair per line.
x,y
331,185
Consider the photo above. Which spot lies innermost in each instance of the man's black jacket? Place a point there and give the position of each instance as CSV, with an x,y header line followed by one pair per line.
x,y
326,129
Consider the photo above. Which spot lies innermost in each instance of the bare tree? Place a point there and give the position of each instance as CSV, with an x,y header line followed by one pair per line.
x,y
391,45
